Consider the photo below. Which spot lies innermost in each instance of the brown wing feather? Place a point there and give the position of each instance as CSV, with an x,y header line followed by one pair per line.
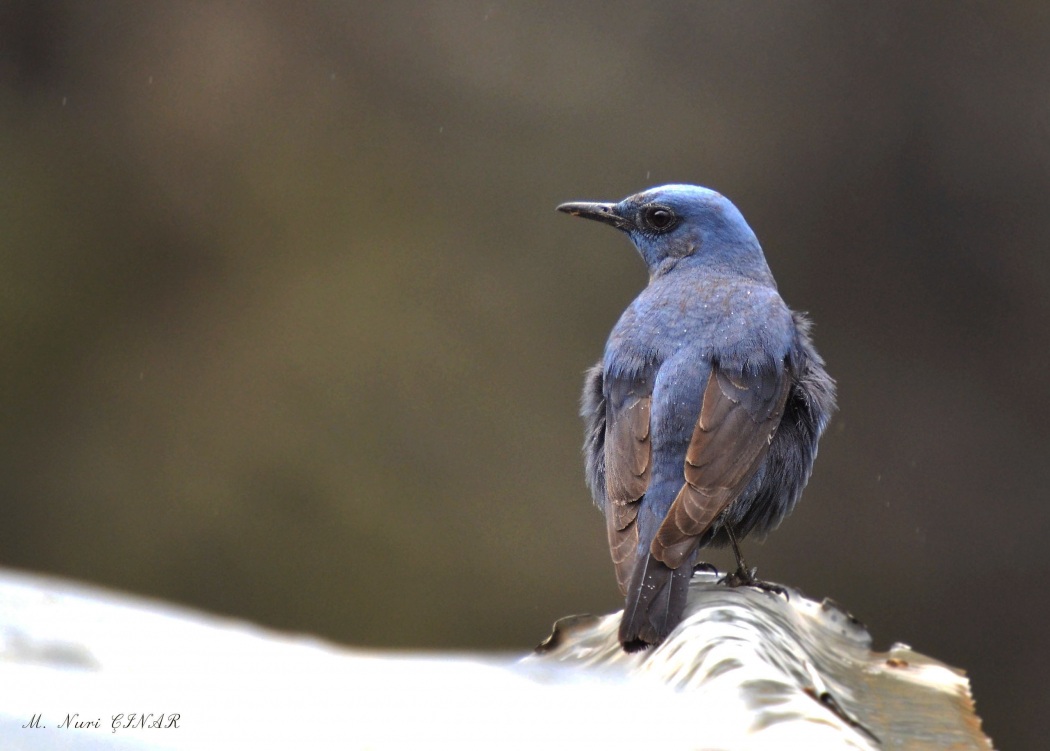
x,y
627,466
623,541
740,413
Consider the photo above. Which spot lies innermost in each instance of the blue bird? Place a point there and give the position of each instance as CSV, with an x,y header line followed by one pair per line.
x,y
703,416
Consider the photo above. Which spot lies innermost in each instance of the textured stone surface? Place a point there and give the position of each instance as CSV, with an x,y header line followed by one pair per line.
x,y
745,670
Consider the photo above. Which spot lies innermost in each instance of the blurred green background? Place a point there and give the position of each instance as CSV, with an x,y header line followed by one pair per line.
x,y
291,330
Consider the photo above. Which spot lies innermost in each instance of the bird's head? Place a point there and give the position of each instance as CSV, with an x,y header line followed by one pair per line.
x,y
682,224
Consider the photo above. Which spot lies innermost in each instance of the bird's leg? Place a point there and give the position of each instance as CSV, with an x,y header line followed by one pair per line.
x,y
744,576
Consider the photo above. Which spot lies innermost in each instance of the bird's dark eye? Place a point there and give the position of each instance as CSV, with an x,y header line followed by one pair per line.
x,y
659,218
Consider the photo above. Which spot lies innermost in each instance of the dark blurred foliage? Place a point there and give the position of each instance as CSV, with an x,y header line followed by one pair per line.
x,y
291,330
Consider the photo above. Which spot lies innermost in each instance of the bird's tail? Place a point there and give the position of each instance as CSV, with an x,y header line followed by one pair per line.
x,y
655,601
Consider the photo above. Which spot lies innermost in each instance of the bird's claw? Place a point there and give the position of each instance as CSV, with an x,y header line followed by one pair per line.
x,y
705,566
745,577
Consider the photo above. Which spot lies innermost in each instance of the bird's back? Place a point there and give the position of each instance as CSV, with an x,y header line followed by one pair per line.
x,y
664,346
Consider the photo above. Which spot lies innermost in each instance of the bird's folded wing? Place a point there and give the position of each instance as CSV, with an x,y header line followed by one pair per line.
x,y
741,409
628,456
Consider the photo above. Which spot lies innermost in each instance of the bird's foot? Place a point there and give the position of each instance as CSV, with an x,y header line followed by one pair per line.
x,y
746,577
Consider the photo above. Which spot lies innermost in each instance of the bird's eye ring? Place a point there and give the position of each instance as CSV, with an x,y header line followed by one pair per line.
x,y
658,218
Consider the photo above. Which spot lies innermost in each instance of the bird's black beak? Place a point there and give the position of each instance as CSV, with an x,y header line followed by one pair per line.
x,y
601,212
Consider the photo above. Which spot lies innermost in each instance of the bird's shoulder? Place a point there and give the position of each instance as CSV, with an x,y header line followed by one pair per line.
x,y
701,313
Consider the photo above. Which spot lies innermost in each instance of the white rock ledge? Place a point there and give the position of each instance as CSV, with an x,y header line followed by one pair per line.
x,y
745,670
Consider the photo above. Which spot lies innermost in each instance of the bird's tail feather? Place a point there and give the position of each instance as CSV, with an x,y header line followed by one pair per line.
x,y
655,602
